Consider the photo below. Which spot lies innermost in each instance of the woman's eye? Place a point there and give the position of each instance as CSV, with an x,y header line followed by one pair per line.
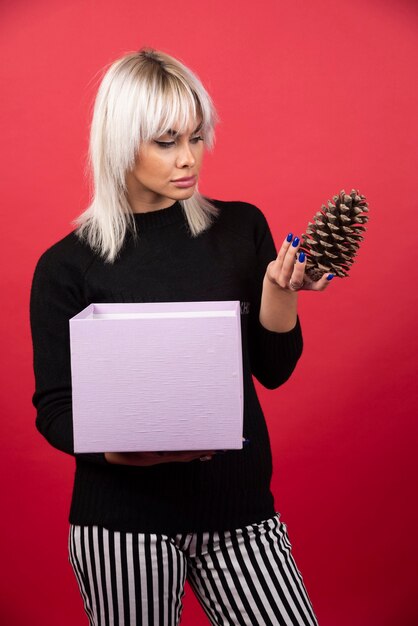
x,y
165,144
168,144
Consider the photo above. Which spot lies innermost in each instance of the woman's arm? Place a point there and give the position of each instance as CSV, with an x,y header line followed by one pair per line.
x,y
275,337
56,296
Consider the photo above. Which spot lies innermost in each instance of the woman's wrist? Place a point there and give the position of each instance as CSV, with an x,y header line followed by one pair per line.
x,y
278,308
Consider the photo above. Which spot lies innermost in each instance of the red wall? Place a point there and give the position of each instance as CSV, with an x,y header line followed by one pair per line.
x,y
314,96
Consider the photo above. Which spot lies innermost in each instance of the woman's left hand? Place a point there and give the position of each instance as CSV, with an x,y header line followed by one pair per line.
x,y
288,270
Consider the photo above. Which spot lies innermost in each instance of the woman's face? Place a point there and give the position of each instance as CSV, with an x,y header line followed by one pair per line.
x,y
153,182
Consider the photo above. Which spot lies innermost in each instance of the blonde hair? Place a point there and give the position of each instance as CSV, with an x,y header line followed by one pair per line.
x,y
141,96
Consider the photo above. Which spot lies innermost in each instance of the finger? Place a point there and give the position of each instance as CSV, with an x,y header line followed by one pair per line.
x,y
283,251
290,258
274,269
322,283
297,279
206,456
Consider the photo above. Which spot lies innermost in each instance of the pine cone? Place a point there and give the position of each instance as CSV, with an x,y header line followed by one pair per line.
x,y
332,241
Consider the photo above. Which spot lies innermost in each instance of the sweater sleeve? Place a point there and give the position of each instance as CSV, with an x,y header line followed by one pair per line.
x,y
56,296
273,355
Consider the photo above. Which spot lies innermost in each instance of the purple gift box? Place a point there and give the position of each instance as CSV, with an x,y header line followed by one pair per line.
x,y
157,376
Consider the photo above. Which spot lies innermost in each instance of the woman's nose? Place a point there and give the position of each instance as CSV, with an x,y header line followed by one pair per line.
x,y
185,156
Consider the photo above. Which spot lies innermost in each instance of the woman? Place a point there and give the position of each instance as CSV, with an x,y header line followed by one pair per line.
x,y
141,523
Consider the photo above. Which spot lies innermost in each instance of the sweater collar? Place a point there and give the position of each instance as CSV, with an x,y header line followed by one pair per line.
x,y
159,217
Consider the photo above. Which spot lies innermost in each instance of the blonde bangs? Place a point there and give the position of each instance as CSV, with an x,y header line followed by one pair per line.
x,y
174,106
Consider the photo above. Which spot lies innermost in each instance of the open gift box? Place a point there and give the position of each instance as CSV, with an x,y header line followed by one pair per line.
x,y
157,376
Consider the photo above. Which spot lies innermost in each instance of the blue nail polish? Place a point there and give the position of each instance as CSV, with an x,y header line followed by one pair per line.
x,y
330,277
245,442
289,237
302,257
295,242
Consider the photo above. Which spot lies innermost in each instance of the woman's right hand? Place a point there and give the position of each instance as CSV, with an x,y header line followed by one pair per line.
x,y
154,458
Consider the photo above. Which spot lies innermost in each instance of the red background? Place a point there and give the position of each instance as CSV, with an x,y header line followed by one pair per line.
x,y
314,96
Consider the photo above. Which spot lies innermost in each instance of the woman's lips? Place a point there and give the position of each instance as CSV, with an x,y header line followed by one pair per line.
x,y
185,182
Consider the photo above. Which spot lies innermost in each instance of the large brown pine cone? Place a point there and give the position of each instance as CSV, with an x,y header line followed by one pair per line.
x,y
332,240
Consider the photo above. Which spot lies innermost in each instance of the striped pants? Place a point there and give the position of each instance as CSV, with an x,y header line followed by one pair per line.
x,y
246,576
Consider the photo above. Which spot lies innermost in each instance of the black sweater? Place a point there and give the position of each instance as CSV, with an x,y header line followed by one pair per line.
x,y
226,262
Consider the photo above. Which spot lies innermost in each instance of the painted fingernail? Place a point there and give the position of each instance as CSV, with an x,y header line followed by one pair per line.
x,y
245,442
302,257
295,242
330,277
289,237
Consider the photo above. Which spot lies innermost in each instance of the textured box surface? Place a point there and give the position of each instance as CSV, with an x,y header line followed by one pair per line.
x,y
157,376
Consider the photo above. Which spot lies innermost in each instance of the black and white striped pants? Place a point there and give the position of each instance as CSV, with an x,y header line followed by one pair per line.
x,y
246,576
